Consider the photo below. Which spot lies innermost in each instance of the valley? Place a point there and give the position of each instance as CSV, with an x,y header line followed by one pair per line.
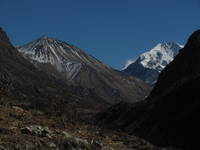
x,y
55,96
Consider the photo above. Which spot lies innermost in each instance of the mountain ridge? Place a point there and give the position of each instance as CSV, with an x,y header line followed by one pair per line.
x,y
74,67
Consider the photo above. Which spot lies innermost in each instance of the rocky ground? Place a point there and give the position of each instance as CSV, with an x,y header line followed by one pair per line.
x,y
31,129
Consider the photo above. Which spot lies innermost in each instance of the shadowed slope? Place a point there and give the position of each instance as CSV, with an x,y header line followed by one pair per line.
x,y
169,116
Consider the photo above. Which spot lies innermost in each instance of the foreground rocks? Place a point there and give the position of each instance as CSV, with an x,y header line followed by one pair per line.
x,y
22,129
37,131
66,140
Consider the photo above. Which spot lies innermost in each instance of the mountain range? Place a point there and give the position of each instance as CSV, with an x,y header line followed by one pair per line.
x,y
55,96
74,67
148,65
41,111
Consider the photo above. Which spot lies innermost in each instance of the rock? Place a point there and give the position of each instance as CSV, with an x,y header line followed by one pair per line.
x,y
65,134
37,130
37,112
96,145
52,145
80,140
60,139
3,148
76,144
18,108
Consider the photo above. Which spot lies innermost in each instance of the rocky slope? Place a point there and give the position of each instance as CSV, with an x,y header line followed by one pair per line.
x,y
74,67
169,116
149,65
32,130
176,98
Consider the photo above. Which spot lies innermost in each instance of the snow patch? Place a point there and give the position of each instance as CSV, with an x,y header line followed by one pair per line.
x,y
161,55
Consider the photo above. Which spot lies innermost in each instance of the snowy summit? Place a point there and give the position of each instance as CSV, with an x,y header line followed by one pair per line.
x,y
149,64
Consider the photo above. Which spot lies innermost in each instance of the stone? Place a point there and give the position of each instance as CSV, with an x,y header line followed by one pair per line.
x,y
18,108
3,148
65,134
37,130
52,145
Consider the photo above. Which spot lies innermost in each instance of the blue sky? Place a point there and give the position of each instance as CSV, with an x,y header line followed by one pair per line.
x,y
111,30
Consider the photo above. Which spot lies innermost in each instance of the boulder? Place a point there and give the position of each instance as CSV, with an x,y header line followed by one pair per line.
x,y
37,130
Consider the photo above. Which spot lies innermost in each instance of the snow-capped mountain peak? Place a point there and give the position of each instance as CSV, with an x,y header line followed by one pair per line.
x,y
50,50
161,55
149,64
64,57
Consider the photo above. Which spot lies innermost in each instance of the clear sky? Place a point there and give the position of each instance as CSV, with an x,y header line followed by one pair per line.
x,y
111,30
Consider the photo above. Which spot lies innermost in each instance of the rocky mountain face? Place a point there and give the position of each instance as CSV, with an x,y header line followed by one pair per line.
x,y
23,85
71,65
176,98
148,65
169,116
